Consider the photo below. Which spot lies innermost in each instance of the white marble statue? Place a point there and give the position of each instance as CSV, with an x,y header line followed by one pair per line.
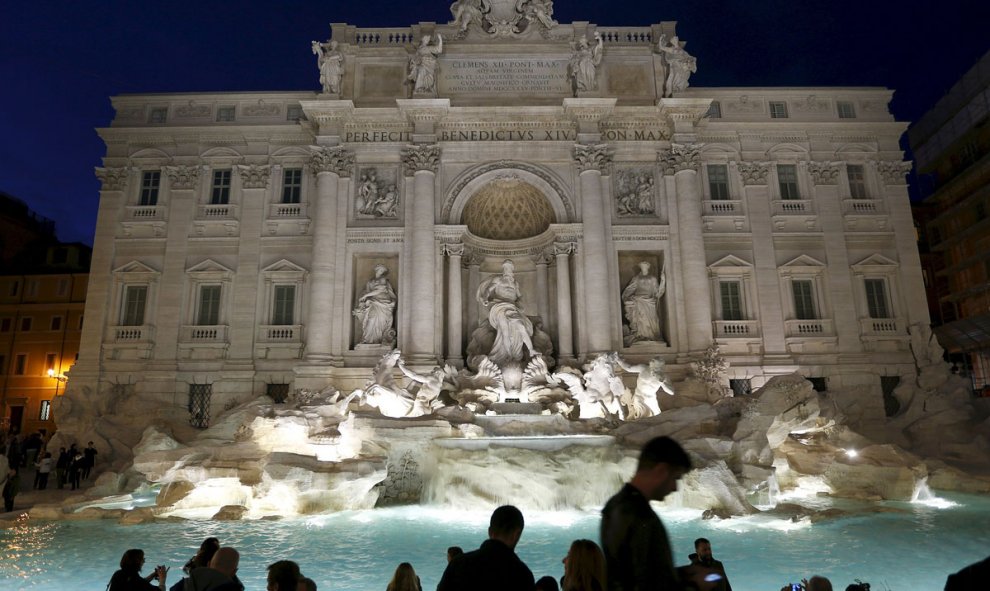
x,y
650,380
375,309
468,12
367,192
331,64
636,196
584,63
537,10
680,64
513,330
423,65
598,392
430,385
384,393
640,299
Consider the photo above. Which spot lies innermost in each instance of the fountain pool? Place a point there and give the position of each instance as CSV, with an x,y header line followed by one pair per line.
x,y
907,546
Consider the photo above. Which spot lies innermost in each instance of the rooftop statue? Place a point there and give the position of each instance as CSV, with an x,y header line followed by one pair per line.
x,y
640,299
584,63
423,66
680,64
375,309
537,10
468,12
331,64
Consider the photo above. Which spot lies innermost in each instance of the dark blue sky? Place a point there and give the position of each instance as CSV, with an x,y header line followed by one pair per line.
x,y
60,61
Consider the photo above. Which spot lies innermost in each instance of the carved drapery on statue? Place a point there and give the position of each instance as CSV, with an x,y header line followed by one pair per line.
x,y
377,194
680,64
423,66
502,18
335,159
376,310
641,302
330,62
583,67
635,193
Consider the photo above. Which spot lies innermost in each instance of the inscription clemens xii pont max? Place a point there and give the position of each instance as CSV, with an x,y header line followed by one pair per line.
x,y
504,75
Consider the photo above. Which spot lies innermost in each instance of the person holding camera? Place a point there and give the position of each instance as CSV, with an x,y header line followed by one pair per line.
x,y
703,556
129,578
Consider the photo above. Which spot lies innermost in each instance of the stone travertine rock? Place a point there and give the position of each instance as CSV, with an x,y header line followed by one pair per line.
x,y
230,513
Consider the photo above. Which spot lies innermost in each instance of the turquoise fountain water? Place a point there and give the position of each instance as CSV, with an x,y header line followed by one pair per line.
x,y
909,546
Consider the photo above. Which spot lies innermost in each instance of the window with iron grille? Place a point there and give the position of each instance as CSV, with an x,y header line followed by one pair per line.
x,y
804,299
857,181
199,405
220,191
819,384
151,180
740,386
788,181
209,305
876,298
292,185
278,392
731,296
778,110
284,303
846,110
718,181
135,298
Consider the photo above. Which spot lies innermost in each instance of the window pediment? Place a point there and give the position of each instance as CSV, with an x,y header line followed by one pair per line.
x,y
136,271
875,263
802,265
730,266
210,270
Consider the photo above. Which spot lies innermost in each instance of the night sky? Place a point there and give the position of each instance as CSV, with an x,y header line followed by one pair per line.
x,y
61,61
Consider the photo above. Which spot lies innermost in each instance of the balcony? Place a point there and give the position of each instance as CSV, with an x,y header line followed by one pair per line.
x,y
145,213
280,333
287,219
722,207
809,328
129,342
133,334
223,211
862,207
736,329
881,326
723,215
204,334
287,211
144,221
793,207
793,215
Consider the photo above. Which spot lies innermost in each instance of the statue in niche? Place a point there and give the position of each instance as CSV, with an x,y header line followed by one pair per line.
x,y
651,379
635,195
468,12
513,329
640,300
423,65
331,64
537,10
584,63
375,309
680,64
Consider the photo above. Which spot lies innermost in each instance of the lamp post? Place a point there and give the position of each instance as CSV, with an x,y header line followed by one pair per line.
x,y
59,379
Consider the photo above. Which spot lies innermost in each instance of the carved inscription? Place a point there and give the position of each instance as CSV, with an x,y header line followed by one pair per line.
x,y
504,76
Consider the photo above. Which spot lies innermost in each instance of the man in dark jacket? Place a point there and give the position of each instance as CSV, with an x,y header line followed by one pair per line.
x,y
494,566
221,575
637,551
703,556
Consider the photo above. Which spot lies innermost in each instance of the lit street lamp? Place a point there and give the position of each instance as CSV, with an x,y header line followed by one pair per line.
x,y
59,379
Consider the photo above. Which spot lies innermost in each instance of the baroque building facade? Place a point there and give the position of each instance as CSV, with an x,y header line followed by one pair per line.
x,y
243,239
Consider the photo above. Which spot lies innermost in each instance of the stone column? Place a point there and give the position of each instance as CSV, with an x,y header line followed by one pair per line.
x,y
592,161
565,332
455,346
244,303
421,163
912,288
473,261
682,162
542,260
767,280
329,164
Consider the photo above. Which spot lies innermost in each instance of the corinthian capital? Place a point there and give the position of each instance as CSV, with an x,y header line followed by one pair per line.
x,y
113,179
183,177
415,158
824,173
254,177
452,249
597,157
893,173
754,173
680,157
336,159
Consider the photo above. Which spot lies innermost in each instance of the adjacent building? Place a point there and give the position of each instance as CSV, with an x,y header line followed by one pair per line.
x,y
951,144
238,233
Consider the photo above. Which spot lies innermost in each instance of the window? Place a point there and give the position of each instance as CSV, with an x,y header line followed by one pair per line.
x,y
135,298
718,182
819,384
63,286
20,364
31,291
715,110
778,110
225,113
220,193
209,305
804,299
278,392
857,181
890,403
50,361
787,180
3,365
45,412
15,288
158,115
731,294
56,323
284,301
150,181
293,113
292,185
846,110
199,405
5,324
740,387
876,298
26,324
